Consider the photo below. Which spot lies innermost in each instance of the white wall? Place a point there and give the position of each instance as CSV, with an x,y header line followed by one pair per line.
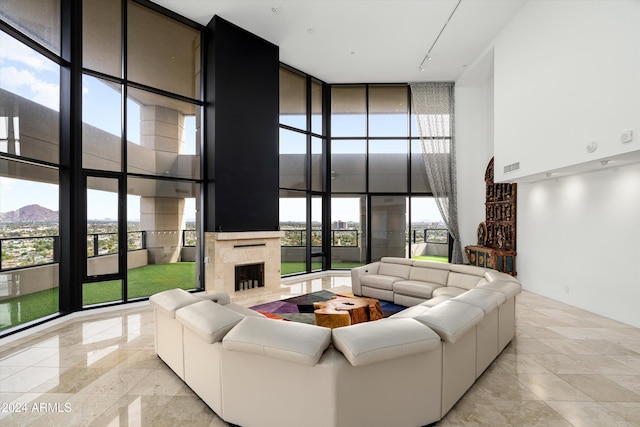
x,y
578,241
567,73
474,146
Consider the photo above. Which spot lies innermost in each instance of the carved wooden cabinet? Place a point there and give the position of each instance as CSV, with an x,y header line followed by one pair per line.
x,y
496,247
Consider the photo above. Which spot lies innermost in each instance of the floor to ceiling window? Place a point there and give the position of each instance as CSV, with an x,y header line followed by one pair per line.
x,y
29,162
131,202
365,190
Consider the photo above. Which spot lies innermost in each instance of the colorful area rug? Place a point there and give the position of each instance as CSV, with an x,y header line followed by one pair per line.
x,y
300,308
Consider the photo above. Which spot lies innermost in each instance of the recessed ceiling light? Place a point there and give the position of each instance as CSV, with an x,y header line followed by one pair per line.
x,y
353,52
310,30
275,10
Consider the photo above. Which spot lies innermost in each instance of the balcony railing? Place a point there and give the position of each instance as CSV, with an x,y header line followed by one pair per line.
x,y
430,235
339,238
24,252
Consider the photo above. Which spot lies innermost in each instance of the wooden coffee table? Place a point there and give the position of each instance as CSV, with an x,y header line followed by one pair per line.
x,y
345,311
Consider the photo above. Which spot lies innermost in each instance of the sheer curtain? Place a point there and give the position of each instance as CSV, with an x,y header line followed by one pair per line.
x,y
433,104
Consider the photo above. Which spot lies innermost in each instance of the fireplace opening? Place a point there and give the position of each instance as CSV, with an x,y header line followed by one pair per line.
x,y
250,276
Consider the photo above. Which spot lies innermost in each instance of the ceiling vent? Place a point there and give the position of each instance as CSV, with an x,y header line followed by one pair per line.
x,y
512,167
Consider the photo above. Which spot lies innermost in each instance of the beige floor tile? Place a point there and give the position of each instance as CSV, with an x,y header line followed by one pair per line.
x,y
588,414
601,389
565,367
550,387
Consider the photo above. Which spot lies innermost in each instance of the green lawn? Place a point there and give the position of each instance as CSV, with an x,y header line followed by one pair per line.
x,y
143,281
431,258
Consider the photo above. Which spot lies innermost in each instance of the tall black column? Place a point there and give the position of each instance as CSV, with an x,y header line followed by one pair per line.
x,y
241,140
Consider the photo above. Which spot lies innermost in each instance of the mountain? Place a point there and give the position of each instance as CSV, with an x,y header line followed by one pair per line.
x,y
31,213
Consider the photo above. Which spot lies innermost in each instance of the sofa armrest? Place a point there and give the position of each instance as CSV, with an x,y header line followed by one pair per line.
x,y
358,272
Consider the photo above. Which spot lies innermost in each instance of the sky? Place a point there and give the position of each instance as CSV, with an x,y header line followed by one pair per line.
x,y
32,76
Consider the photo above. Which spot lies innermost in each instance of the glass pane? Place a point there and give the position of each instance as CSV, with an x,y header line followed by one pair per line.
x,y
101,124
102,36
419,180
102,226
348,111
388,227
316,164
162,234
316,225
38,19
429,235
388,166
29,102
162,135
316,108
348,222
388,111
293,99
293,160
348,165
101,292
162,52
293,221
29,243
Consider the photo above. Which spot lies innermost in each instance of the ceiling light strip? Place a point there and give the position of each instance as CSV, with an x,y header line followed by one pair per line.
x,y
428,55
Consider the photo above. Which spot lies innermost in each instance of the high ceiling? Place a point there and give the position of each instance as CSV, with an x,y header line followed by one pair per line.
x,y
373,41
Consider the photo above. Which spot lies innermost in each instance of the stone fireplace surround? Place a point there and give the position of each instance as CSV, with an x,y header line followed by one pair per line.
x,y
225,250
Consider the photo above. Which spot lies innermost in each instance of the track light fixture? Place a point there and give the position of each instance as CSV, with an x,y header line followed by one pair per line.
x,y
428,57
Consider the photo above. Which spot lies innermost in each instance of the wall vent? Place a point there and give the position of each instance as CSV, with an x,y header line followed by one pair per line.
x,y
512,167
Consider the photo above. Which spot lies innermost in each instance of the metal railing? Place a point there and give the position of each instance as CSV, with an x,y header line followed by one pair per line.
x,y
339,238
430,235
27,251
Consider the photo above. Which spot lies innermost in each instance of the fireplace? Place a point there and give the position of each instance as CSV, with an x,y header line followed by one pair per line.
x,y
228,252
249,276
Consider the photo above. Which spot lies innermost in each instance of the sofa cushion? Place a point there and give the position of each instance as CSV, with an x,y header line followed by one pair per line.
x,y
410,312
432,302
485,299
171,300
290,341
492,275
415,288
394,269
221,298
508,288
384,339
244,311
208,320
430,271
451,319
379,281
464,280
450,291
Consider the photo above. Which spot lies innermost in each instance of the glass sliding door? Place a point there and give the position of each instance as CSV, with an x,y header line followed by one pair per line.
x,y
102,283
348,231
388,227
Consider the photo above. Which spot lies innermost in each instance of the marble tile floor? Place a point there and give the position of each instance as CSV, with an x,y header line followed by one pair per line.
x,y
566,367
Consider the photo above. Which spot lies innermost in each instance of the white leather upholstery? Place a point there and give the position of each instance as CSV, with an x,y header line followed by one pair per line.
x,y
271,338
451,319
410,312
168,339
385,339
208,320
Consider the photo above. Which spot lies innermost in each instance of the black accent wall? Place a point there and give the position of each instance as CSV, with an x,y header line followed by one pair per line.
x,y
241,141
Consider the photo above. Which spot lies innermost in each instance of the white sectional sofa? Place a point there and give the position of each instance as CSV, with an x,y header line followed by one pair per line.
x,y
406,370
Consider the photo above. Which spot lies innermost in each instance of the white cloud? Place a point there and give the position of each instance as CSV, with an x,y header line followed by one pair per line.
x,y
27,84
12,50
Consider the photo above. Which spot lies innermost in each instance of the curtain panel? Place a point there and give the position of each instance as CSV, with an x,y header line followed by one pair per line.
x,y
433,105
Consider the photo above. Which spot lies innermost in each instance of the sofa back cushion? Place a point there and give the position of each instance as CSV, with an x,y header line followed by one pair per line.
x,y
385,339
208,320
466,276
397,267
289,341
429,273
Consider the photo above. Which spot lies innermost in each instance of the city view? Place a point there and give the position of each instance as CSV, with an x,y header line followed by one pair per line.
x,y
29,236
